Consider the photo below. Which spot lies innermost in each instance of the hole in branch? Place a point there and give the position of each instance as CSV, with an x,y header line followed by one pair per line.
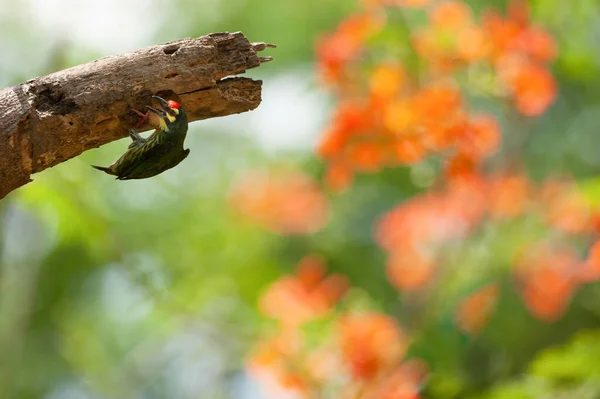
x,y
171,49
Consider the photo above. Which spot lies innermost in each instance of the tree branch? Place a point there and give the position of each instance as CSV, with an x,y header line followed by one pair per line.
x,y
51,119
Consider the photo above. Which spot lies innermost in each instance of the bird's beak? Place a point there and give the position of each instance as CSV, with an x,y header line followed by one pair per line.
x,y
163,103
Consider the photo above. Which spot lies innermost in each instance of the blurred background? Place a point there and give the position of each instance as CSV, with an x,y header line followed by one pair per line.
x,y
210,281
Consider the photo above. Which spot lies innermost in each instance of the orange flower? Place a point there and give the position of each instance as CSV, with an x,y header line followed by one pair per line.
x,y
386,80
424,223
438,102
547,275
333,142
399,117
547,296
504,34
473,313
451,15
518,51
371,343
409,3
408,270
452,39
409,151
409,224
472,43
534,89
480,137
460,166
271,352
285,203
415,231
336,50
539,45
591,267
323,364
466,203
396,3
294,300
403,383
311,270
350,118
338,176
270,363
565,208
364,156
508,196
293,381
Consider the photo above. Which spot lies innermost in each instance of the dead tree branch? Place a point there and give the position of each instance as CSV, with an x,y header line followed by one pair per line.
x,y
51,119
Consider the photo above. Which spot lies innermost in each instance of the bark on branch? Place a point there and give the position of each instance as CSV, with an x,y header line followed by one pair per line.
x,y
51,119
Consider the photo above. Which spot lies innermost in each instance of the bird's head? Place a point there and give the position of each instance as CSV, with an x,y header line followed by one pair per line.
x,y
171,113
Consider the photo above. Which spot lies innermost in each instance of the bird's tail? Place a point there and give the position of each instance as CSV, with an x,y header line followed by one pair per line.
x,y
102,168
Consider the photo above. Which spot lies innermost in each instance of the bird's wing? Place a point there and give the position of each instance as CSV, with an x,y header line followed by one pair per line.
x,y
145,160
135,144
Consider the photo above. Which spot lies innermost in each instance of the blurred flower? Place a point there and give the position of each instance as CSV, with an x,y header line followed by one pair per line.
x,y
473,313
324,364
519,51
403,383
451,15
336,50
430,220
393,127
538,44
437,105
590,271
531,85
272,364
285,203
386,81
414,233
365,156
294,300
479,138
350,118
509,195
565,207
401,116
371,343
407,269
409,151
516,35
396,3
338,176
547,276
365,356
452,38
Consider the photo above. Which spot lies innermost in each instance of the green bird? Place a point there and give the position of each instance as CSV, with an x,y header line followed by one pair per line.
x,y
161,151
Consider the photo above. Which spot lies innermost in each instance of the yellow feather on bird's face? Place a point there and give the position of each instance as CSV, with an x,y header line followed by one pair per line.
x,y
162,125
160,122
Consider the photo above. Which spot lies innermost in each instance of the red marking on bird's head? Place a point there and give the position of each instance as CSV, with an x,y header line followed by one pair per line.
x,y
173,104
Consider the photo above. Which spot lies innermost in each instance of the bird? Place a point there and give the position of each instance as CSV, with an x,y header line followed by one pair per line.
x,y
162,150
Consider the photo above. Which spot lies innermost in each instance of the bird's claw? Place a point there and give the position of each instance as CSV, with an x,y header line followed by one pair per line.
x,y
143,117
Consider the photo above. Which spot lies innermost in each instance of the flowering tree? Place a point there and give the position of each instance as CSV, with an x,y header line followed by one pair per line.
x,y
448,94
